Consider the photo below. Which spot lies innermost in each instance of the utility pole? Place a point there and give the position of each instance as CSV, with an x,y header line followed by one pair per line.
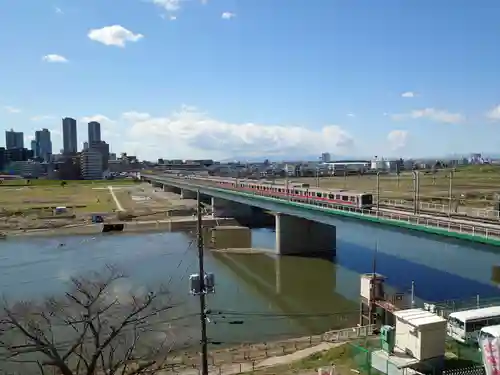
x,y
418,192
317,177
378,191
450,193
415,192
202,291
286,183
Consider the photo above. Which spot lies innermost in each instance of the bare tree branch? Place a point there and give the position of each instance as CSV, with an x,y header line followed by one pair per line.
x,y
91,330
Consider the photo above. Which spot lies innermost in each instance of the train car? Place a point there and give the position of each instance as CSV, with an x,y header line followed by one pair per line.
x,y
303,193
295,191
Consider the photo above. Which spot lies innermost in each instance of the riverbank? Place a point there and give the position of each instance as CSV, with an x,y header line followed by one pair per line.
x,y
255,357
174,224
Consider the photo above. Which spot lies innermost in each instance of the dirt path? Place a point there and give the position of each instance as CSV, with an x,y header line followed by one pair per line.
x,y
119,206
250,366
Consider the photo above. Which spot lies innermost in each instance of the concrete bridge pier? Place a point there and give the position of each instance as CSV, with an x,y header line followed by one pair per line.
x,y
169,189
188,194
225,208
295,235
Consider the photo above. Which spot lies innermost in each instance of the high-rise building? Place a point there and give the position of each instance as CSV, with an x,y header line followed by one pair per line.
x,y
326,157
103,148
70,145
91,164
43,144
34,148
94,132
14,139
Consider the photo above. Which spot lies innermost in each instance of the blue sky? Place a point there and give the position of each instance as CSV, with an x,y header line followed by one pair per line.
x,y
218,78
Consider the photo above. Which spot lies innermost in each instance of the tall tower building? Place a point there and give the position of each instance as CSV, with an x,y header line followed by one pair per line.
x,y
70,144
43,144
94,132
14,139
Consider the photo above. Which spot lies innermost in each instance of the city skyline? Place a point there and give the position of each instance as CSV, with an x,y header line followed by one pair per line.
x,y
260,78
41,142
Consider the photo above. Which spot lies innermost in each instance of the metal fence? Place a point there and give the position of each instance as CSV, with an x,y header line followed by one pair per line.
x,y
443,208
444,308
250,357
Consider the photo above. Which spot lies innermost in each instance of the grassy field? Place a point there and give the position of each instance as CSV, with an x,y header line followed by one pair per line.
x,y
473,186
354,357
81,198
43,182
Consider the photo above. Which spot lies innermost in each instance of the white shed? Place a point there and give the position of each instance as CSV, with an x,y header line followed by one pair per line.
x,y
420,333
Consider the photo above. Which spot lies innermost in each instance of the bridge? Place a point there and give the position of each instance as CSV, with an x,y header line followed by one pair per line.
x,y
303,226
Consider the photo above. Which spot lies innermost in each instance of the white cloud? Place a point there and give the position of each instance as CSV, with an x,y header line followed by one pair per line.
x,y
408,94
53,58
397,139
431,114
204,2
108,127
99,118
351,115
136,116
494,114
58,10
115,35
42,118
168,17
10,109
169,5
191,133
228,15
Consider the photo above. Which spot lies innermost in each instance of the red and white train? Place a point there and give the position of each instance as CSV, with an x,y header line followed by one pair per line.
x,y
294,191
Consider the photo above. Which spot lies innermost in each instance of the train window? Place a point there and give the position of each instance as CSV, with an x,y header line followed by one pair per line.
x,y
345,198
366,199
352,198
337,196
331,196
318,195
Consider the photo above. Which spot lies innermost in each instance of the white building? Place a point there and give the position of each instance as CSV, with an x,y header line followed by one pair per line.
x,y
326,157
91,164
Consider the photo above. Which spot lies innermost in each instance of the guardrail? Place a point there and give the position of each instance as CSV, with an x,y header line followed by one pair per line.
x,y
349,333
447,225
443,208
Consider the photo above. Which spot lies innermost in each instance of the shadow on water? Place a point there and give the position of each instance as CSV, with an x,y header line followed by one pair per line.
x,y
435,237
301,289
430,284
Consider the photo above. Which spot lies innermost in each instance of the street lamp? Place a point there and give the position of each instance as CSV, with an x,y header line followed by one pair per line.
x,y
317,177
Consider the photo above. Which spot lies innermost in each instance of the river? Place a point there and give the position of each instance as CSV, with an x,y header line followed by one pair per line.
x,y
267,296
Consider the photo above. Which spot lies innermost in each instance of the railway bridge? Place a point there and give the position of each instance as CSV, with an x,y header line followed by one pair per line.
x,y
310,227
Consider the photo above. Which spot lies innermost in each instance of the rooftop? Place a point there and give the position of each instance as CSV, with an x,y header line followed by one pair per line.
x,y
418,317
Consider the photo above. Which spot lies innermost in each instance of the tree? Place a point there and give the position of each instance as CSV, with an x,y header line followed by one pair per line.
x,y
89,331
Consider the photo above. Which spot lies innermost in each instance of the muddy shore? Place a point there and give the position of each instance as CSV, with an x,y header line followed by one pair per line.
x,y
174,224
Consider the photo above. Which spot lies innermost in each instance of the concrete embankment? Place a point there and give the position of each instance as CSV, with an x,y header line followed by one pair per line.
x,y
175,224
